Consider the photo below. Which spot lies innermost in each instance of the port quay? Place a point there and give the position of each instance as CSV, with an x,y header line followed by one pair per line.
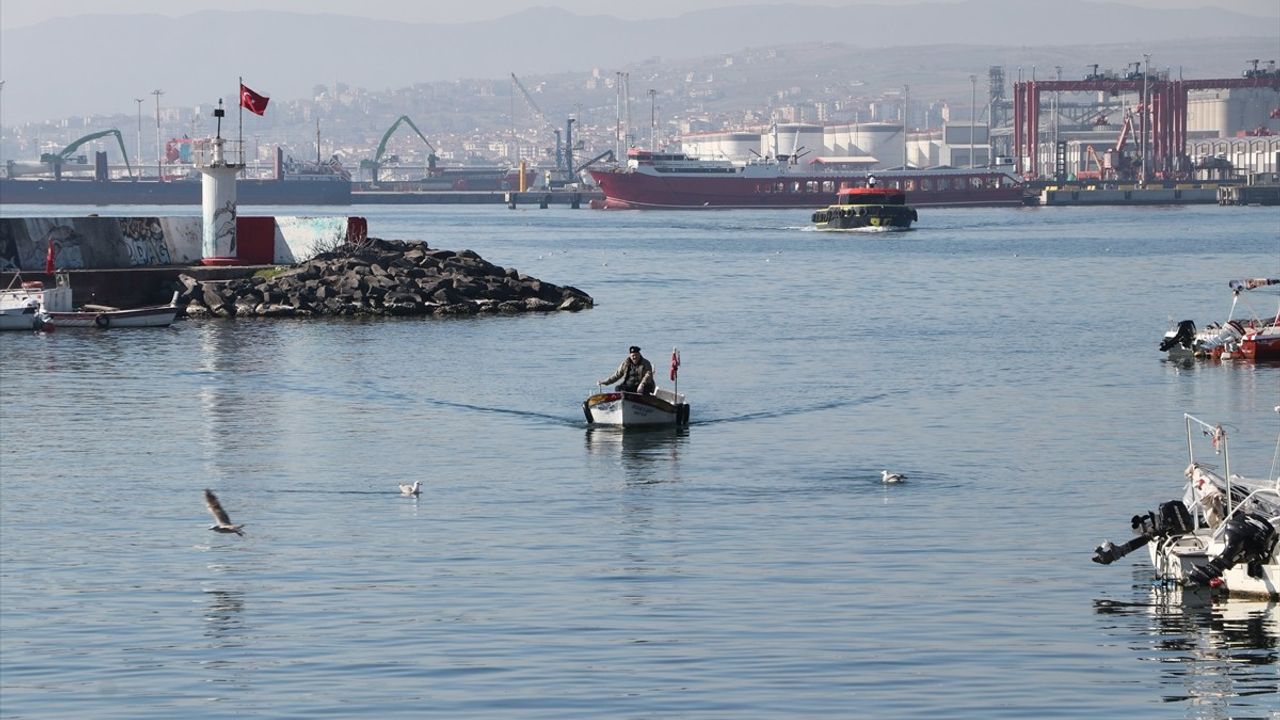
x,y
1133,136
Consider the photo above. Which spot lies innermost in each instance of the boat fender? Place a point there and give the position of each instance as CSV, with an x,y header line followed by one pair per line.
x,y
102,321
586,410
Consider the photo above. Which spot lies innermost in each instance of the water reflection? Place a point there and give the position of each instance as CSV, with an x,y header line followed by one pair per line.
x,y
647,455
224,618
1217,656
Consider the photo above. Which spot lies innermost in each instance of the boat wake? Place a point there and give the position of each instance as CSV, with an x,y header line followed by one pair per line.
x,y
800,410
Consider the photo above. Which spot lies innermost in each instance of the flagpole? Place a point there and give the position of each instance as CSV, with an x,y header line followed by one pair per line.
x,y
675,366
240,93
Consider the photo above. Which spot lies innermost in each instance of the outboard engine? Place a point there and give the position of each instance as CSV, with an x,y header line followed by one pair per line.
x,y
1228,336
1182,335
1171,518
1248,538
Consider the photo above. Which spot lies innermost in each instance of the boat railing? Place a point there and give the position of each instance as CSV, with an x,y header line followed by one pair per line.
x,y
1218,438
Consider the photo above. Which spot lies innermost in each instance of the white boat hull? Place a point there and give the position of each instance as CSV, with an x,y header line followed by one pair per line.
x,y
21,318
627,409
53,305
1175,558
159,316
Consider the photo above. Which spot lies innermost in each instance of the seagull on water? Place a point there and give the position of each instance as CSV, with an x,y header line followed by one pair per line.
x,y
223,523
409,490
889,477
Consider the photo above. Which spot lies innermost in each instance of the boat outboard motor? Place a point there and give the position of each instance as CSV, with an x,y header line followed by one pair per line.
x,y
1248,538
1183,335
1171,518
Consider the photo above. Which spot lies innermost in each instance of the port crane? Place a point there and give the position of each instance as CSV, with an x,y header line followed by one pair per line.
x,y
563,156
56,160
376,163
1116,164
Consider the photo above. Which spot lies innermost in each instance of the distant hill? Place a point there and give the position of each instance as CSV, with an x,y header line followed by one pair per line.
x,y
99,63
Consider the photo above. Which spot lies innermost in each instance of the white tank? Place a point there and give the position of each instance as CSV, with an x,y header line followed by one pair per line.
x,y
735,146
793,137
880,140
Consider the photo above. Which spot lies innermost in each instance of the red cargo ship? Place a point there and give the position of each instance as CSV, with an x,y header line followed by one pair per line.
x,y
676,181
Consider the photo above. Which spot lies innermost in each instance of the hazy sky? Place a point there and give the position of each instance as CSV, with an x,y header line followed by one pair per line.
x,y
16,13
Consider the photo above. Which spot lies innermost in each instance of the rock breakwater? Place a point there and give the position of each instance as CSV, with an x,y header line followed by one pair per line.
x,y
381,277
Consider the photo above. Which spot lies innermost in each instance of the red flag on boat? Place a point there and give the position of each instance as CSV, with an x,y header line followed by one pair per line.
x,y
252,101
675,363
48,259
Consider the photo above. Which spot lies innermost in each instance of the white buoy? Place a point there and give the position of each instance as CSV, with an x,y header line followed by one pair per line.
x,y
218,201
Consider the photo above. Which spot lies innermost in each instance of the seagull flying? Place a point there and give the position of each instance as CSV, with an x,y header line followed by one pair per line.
x,y
410,490
223,523
889,477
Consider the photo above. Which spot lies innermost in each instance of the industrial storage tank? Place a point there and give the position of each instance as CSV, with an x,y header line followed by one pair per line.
x,y
880,140
734,146
791,137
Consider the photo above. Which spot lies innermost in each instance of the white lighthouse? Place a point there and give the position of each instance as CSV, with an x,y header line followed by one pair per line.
x,y
218,245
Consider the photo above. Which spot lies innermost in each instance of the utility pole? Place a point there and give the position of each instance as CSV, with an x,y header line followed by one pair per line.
x,y
630,137
1057,109
906,106
159,153
973,113
1146,72
138,160
2,124
653,120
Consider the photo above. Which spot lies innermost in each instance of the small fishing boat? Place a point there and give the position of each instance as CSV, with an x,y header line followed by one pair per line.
x,y
55,304
629,409
1222,534
867,207
634,409
1250,338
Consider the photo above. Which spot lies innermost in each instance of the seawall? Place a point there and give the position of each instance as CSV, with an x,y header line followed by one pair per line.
x,y
104,243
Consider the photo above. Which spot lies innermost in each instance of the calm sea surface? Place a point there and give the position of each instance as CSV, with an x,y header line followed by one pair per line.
x,y
750,566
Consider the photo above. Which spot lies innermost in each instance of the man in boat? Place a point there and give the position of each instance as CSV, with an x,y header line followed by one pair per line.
x,y
636,373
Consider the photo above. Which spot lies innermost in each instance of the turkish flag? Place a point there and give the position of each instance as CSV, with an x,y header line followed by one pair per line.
x,y
675,363
252,101
48,259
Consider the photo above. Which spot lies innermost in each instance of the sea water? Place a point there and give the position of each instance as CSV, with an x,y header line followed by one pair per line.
x,y
752,565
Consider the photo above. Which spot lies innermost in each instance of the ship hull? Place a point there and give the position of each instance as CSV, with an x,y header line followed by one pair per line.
x,y
180,192
638,190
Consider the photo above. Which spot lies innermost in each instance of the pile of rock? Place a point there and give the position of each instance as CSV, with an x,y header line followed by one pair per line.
x,y
382,277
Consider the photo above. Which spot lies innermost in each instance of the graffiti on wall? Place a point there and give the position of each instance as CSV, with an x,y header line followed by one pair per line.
x,y
9,258
144,239
224,228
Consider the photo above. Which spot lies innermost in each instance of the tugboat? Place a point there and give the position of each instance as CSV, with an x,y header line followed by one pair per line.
x,y
867,207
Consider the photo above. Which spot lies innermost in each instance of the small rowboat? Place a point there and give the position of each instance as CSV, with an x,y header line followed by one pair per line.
x,y
55,305
102,316
628,409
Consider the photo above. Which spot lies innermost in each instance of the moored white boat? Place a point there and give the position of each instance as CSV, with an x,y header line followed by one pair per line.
x,y
20,307
1222,535
55,304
